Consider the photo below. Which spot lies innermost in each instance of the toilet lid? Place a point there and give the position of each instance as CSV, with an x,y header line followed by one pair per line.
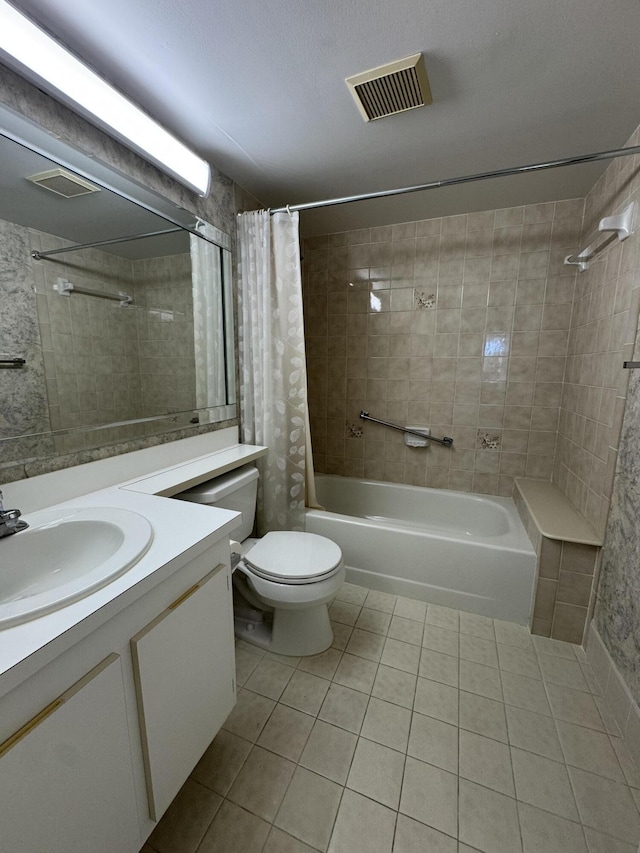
x,y
294,557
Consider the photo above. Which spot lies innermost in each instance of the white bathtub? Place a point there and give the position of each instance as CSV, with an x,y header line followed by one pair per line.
x,y
470,552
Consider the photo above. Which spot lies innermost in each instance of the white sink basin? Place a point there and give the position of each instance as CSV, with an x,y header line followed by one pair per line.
x,y
65,555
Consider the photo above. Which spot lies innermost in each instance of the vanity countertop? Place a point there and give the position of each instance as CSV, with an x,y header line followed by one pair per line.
x,y
181,531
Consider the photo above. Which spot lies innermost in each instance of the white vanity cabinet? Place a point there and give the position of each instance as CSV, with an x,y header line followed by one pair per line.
x,y
66,778
183,664
96,743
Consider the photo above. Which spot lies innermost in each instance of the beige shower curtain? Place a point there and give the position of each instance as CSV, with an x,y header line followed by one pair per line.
x,y
273,376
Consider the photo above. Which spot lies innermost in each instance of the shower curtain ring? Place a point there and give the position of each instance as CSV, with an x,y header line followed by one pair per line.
x,y
288,210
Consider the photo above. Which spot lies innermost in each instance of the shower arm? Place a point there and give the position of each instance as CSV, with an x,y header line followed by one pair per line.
x,y
448,442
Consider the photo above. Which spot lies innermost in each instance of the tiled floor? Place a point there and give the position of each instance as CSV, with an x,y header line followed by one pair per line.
x,y
423,730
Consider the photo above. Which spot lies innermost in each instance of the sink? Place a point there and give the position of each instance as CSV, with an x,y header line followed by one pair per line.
x,y
65,555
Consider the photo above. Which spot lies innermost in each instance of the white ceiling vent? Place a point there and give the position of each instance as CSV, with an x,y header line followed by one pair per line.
x,y
390,89
63,183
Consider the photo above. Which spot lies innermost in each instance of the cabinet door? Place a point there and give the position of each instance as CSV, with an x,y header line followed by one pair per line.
x,y
184,669
66,779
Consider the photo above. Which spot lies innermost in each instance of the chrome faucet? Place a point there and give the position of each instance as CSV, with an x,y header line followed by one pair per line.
x,y
9,521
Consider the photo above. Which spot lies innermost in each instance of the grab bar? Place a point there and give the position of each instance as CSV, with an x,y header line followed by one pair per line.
x,y
448,442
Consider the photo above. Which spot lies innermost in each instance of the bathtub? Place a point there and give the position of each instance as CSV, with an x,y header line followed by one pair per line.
x,y
465,551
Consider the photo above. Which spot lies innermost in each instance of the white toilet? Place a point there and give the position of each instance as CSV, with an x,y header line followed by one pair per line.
x,y
282,582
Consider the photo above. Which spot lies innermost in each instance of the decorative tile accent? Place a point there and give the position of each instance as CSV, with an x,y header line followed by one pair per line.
x,y
488,440
354,430
424,300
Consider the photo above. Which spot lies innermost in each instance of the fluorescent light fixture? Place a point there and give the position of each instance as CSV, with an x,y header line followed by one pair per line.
x,y
37,55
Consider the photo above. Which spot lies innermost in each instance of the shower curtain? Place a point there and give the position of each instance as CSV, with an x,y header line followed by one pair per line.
x,y
273,376
208,326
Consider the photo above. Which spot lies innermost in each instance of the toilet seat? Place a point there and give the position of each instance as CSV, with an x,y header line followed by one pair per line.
x,y
288,557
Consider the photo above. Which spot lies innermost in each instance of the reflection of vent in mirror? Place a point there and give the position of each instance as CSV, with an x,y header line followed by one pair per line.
x,y
63,183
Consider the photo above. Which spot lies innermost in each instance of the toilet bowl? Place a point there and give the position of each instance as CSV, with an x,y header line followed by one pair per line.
x,y
282,582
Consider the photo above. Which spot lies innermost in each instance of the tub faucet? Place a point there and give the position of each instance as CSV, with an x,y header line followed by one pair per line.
x,y
9,521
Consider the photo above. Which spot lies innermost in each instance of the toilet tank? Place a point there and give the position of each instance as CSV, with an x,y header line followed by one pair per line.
x,y
236,490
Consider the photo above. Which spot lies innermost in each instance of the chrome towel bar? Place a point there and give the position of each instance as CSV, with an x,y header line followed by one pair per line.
x,y
448,442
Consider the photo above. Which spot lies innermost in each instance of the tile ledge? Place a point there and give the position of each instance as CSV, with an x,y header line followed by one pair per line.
x,y
552,513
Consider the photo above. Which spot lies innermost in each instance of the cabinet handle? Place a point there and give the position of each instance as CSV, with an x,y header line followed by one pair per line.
x,y
42,715
194,588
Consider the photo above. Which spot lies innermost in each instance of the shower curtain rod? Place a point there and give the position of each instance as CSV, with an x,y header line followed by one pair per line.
x,y
466,179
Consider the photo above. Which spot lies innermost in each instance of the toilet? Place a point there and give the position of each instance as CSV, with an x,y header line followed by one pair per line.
x,y
283,582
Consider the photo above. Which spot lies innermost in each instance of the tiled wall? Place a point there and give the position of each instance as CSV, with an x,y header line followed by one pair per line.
x,y
603,328
459,323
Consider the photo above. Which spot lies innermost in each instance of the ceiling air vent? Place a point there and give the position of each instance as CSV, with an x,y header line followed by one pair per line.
x,y
63,183
390,89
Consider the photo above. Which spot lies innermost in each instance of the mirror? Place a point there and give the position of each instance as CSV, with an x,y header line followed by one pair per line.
x,y
96,328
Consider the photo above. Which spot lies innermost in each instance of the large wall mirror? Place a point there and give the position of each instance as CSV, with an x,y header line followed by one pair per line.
x,y
116,313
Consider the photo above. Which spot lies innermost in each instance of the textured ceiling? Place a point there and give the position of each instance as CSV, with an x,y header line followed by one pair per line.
x,y
258,88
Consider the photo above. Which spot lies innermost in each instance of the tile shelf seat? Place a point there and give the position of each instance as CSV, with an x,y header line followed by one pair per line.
x,y
567,549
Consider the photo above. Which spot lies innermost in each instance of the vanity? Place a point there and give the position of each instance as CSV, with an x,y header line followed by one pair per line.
x,y
108,702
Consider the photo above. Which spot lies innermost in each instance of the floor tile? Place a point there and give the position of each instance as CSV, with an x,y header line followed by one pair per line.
x,y
512,635
234,830
329,751
362,826
519,661
286,732
246,662
305,692
401,655
323,665
436,700
357,673
590,678
441,640
608,720
249,715
341,611
477,678
414,837
567,673
261,784
186,820
486,761
628,765
344,707
430,795
543,832
439,667
488,820
395,686
352,594
443,617
533,733
483,716
376,772
249,647
477,626
598,842
589,750
409,608
606,806
222,761
547,646
282,842
574,706
543,783
269,678
309,808
364,644
373,620
285,660
528,693
406,630
387,724
433,741
478,650
380,601
341,634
